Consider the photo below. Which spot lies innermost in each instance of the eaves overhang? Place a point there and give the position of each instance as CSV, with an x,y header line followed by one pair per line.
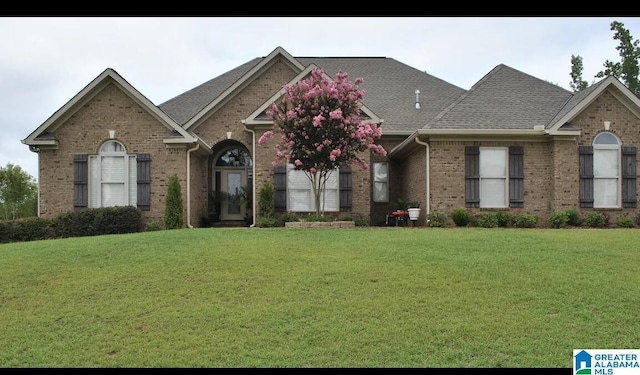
x,y
411,143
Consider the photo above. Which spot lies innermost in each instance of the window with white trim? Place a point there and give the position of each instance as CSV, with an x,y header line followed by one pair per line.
x,y
494,178
381,182
112,176
606,171
300,197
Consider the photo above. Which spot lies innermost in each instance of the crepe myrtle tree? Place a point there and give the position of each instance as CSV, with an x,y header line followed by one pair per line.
x,y
321,128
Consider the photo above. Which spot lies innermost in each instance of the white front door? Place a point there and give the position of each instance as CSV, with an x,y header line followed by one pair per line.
x,y
232,182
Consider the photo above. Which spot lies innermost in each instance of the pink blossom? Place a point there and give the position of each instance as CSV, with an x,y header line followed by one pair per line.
x,y
336,114
265,137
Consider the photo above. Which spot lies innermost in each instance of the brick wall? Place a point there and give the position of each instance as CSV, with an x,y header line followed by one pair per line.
x,y
447,180
87,129
624,124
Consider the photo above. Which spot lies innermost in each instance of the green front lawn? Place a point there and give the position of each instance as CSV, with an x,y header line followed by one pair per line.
x,y
279,297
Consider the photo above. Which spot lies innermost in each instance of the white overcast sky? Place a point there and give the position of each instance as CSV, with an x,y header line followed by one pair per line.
x,y
45,61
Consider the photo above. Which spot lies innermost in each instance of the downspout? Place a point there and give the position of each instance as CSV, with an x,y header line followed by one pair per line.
x,y
189,151
426,150
253,180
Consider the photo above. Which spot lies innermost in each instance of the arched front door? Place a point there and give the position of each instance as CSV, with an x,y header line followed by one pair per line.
x,y
232,180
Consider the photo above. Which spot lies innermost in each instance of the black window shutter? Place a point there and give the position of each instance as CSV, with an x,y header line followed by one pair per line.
x,y
586,176
280,188
516,176
80,181
144,181
629,199
472,176
346,190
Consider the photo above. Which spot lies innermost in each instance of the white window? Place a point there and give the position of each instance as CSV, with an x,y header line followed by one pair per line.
x,y
494,179
300,196
380,182
112,180
606,171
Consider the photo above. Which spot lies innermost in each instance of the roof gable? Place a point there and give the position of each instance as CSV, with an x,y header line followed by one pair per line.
x,y
242,82
259,117
40,136
582,99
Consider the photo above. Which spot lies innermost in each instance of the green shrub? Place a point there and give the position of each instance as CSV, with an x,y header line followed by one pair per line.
x,y
558,219
625,222
461,217
573,218
267,222
487,220
266,206
173,208
595,219
504,218
313,217
97,221
289,216
437,219
25,229
359,220
525,221
153,225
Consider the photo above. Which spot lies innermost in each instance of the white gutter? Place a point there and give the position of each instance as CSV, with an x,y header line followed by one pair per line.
x,y
428,192
253,179
189,151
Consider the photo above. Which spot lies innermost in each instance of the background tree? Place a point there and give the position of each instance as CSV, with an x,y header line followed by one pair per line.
x,y
173,206
626,70
577,83
321,128
18,193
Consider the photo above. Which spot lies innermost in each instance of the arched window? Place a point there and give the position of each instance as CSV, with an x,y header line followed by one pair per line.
x,y
234,157
606,170
112,174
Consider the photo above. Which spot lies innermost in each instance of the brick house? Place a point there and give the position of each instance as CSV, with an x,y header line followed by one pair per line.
x,y
512,142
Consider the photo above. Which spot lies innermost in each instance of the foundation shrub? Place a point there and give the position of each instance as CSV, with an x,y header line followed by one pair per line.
x,y
461,217
558,219
595,219
625,222
436,219
487,220
523,220
504,218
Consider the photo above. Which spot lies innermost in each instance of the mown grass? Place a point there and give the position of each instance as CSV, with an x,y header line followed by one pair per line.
x,y
279,297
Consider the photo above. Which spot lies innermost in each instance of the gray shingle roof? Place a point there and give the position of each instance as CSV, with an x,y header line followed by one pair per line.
x,y
504,99
184,106
389,87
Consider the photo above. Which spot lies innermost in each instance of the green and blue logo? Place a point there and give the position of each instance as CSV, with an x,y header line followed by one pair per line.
x,y
606,362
